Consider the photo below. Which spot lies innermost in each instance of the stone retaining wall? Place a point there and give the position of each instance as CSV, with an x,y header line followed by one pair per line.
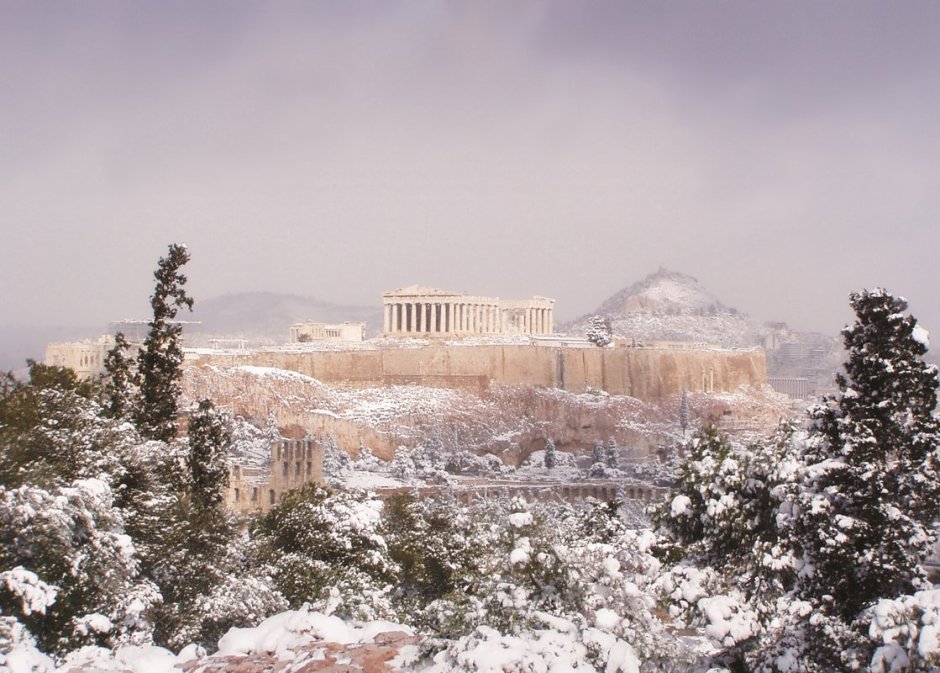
x,y
644,373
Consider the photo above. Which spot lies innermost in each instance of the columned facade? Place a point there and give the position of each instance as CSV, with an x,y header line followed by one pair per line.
x,y
427,312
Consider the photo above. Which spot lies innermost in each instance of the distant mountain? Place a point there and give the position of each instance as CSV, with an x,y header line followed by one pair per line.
x,y
666,292
672,306
269,315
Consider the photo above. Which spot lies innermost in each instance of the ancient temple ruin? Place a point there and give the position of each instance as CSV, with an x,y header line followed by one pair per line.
x,y
424,311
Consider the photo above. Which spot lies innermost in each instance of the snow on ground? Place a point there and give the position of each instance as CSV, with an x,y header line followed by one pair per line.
x,y
291,636
371,481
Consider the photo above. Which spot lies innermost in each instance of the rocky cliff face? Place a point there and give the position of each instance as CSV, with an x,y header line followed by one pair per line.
x,y
509,421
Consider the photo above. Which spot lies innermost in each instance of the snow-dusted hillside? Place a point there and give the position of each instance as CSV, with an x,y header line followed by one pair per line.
x,y
664,292
672,306
509,421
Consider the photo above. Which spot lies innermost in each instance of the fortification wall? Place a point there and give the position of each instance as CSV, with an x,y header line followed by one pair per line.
x,y
644,373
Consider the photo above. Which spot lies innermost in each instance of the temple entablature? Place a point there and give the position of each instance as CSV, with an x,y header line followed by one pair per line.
x,y
425,311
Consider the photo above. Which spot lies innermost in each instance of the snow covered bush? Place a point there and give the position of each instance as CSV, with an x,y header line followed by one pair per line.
x,y
467,463
71,573
553,643
425,462
324,548
724,509
53,431
430,540
906,633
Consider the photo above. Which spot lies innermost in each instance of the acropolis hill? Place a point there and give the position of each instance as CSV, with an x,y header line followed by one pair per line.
x,y
483,374
443,339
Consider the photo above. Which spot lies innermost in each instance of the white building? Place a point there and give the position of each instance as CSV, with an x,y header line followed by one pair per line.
x,y
86,357
304,332
425,311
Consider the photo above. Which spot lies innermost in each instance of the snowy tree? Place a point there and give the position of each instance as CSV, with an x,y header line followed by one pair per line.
x,y
160,359
599,331
335,462
70,573
325,548
209,439
432,542
119,379
52,431
550,459
863,515
684,412
724,506
817,537
611,453
597,453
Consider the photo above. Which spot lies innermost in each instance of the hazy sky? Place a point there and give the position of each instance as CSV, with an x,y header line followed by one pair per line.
x,y
783,153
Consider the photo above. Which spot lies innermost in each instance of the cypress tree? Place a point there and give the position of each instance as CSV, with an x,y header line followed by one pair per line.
x,y
550,458
208,442
119,377
611,453
873,487
161,357
684,412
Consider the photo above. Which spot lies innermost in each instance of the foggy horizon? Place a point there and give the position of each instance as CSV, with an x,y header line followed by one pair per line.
x,y
783,154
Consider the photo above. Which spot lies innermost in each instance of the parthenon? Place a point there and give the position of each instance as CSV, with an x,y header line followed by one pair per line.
x,y
428,311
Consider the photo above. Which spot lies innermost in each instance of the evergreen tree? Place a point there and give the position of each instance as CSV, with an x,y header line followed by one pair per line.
x,y
161,357
209,439
119,378
611,453
597,455
684,412
872,489
52,430
599,331
550,458
315,542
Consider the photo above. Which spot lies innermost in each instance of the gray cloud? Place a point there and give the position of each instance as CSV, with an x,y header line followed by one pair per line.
x,y
782,153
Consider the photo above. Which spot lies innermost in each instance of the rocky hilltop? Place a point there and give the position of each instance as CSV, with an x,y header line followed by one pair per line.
x,y
667,292
672,306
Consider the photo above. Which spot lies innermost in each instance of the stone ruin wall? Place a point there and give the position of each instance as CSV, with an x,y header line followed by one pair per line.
x,y
294,462
645,373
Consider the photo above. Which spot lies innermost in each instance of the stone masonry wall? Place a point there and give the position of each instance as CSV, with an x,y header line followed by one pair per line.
x,y
645,373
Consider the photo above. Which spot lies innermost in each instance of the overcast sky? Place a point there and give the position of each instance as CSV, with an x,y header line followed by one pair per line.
x,y
782,153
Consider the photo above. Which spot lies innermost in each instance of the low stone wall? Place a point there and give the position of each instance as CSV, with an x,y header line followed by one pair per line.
x,y
603,490
644,373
